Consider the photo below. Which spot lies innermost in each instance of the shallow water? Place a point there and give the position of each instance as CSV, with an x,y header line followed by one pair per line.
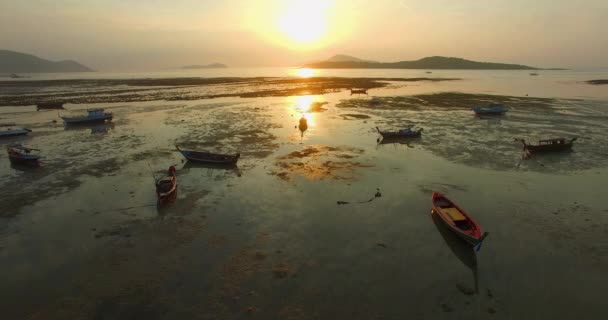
x,y
80,237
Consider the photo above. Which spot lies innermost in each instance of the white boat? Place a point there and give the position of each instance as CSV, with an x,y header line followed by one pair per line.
x,y
93,115
11,132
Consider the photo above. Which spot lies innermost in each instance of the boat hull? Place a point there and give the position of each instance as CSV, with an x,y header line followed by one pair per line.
x,y
472,236
166,188
549,148
32,162
13,133
86,120
210,158
400,134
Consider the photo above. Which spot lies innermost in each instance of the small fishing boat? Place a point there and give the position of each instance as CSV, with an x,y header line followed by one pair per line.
x,y
166,188
19,154
93,115
496,109
549,145
358,91
403,133
16,131
49,106
208,157
457,220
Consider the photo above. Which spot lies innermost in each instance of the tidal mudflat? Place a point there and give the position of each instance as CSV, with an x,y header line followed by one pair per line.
x,y
81,238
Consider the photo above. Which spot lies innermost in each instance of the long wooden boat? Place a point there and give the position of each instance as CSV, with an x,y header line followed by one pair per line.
x,y
403,133
457,219
49,106
549,145
11,132
358,91
208,157
93,116
494,109
166,188
19,154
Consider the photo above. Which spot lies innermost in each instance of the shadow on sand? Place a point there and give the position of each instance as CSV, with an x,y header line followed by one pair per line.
x,y
463,251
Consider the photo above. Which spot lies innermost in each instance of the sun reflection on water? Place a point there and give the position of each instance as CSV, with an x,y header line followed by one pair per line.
x,y
305,72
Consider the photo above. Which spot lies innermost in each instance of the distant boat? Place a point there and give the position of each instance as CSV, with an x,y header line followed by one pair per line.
x,y
19,154
93,115
358,91
49,105
166,188
492,109
549,145
533,74
403,133
429,72
208,157
11,132
457,220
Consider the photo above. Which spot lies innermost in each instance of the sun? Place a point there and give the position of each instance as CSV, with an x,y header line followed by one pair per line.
x,y
304,22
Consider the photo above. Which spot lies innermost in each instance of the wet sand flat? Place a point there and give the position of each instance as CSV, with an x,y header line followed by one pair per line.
x,y
81,238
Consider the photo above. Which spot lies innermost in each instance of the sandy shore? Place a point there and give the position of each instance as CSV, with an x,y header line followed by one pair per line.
x,y
80,237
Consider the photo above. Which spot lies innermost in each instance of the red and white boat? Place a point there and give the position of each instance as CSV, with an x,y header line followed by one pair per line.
x,y
457,219
166,188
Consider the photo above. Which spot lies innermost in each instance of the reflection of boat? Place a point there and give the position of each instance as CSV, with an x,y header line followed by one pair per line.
x,y
19,154
358,91
457,220
491,109
93,115
95,128
166,187
549,145
11,132
461,249
403,133
49,106
208,157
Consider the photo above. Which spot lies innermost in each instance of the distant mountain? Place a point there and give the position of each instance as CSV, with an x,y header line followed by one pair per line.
x,y
424,63
208,66
17,62
346,58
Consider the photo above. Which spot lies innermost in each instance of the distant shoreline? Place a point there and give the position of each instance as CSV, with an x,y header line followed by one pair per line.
x,y
113,90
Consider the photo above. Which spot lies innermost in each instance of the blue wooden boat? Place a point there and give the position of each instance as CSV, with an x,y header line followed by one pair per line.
x,y
93,116
492,109
403,133
19,154
208,157
11,132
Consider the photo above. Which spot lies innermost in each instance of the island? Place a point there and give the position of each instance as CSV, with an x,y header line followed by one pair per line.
x,y
13,62
435,62
208,66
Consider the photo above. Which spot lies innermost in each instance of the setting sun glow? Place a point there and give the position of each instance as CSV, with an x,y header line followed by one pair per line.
x,y
305,72
304,21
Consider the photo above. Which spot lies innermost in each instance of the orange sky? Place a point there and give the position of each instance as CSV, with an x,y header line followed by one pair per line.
x,y
145,35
